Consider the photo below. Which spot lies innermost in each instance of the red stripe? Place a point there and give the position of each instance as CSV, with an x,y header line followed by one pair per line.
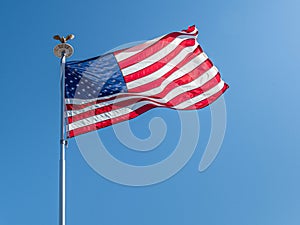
x,y
135,48
208,101
159,64
104,109
120,51
190,29
187,78
109,122
158,81
82,106
70,107
160,44
143,45
195,92
173,102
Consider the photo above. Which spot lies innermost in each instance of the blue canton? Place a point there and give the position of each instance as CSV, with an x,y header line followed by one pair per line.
x,y
94,78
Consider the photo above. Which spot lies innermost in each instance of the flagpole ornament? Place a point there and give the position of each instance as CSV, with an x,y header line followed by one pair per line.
x,y
63,48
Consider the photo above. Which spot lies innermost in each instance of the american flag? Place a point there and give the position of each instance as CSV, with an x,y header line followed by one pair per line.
x,y
170,71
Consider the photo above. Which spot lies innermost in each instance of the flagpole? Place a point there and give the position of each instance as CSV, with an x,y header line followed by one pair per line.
x,y
62,51
63,145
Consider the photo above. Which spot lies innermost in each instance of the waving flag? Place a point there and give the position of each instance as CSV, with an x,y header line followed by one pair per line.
x,y
170,71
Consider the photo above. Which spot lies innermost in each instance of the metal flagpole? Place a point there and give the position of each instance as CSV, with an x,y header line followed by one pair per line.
x,y
63,143
62,51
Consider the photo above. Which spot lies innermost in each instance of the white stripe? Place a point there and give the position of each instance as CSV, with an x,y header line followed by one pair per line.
x,y
156,56
126,110
197,83
78,101
187,68
99,118
201,97
131,51
102,104
201,80
163,70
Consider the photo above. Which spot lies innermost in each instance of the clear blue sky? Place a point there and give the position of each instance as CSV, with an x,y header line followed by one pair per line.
x,y
255,179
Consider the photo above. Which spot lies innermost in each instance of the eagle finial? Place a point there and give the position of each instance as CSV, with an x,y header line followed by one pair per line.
x,y
63,39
